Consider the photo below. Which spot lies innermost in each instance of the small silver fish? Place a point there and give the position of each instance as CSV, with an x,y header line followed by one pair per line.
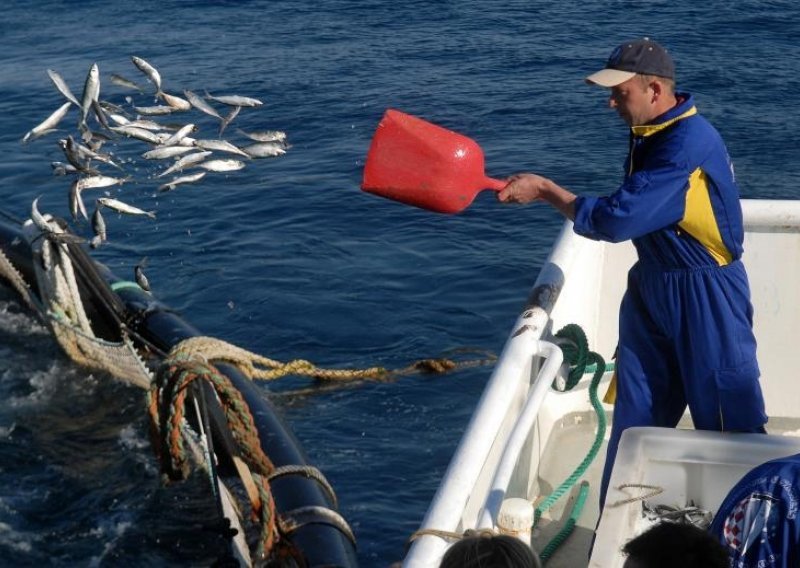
x,y
38,219
180,135
154,110
74,156
127,83
62,169
222,165
98,181
265,149
265,135
118,119
76,202
99,228
48,124
138,274
185,141
86,153
111,107
100,114
189,178
152,74
186,161
62,87
91,91
121,207
227,120
147,124
221,146
165,152
197,102
138,133
176,102
234,100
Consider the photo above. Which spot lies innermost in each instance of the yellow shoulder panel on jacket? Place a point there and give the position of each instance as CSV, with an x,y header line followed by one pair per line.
x,y
699,219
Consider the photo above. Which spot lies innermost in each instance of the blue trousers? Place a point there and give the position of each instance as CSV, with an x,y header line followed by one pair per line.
x,y
686,338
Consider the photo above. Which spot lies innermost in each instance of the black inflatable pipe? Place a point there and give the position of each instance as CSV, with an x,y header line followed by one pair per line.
x,y
319,544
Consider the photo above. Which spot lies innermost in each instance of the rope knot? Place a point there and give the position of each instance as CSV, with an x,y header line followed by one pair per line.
x,y
575,347
434,366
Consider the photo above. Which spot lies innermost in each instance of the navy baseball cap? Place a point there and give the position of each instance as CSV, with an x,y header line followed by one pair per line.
x,y
638,57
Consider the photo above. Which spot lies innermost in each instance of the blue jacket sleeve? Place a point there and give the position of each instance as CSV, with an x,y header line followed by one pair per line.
x,y
648,200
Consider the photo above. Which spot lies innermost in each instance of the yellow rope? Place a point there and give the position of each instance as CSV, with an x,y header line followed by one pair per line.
x,y
256,366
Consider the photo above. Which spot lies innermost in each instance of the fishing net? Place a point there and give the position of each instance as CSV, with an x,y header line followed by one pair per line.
x,y
61,306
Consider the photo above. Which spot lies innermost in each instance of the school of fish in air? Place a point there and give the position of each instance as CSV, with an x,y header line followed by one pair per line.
x,y
175,148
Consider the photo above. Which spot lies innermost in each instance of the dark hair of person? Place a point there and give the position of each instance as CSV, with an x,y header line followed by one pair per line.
x,y
490,551
667,545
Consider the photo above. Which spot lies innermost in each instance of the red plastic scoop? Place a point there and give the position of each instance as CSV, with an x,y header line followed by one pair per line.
x,y
422,164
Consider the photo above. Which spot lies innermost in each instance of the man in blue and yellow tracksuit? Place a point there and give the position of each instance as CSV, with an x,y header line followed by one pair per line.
x,y
685,328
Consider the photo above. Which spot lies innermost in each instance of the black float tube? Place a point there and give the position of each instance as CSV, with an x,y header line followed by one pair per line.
x,y
320,544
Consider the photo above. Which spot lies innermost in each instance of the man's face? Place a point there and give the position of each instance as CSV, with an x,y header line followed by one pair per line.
x,y
633,101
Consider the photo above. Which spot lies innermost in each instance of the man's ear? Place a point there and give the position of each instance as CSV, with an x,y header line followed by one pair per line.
x,y
658,90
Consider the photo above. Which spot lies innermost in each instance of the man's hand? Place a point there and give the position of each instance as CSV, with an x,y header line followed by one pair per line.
x,y
524,188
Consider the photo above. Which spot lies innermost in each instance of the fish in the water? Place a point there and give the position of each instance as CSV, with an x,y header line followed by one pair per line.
x,y
155,110
127,83
99,228
151,72
201,105
185,162
179,135
76,202
62,87
121,207
173,183
265,149
175,101
165,152
227,120
48,124
91,92
138,274
235,100
265,135
222,165
98,181
221,146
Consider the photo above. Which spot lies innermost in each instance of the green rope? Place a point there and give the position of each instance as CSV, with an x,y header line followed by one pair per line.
x,y
569,526
577,354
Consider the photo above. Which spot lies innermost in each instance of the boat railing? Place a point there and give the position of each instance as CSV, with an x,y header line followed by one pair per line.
x,y
554,357
488,430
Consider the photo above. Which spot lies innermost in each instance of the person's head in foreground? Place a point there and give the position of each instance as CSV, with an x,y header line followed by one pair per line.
x,y
670,545
489,551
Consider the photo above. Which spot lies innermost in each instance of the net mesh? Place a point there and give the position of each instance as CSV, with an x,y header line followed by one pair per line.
x,y
61,306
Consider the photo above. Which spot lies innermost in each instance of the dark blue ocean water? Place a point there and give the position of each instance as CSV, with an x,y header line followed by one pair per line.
x,y
289,259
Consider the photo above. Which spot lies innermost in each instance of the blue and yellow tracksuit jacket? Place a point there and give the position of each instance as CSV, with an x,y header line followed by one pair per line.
x,y
685,329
